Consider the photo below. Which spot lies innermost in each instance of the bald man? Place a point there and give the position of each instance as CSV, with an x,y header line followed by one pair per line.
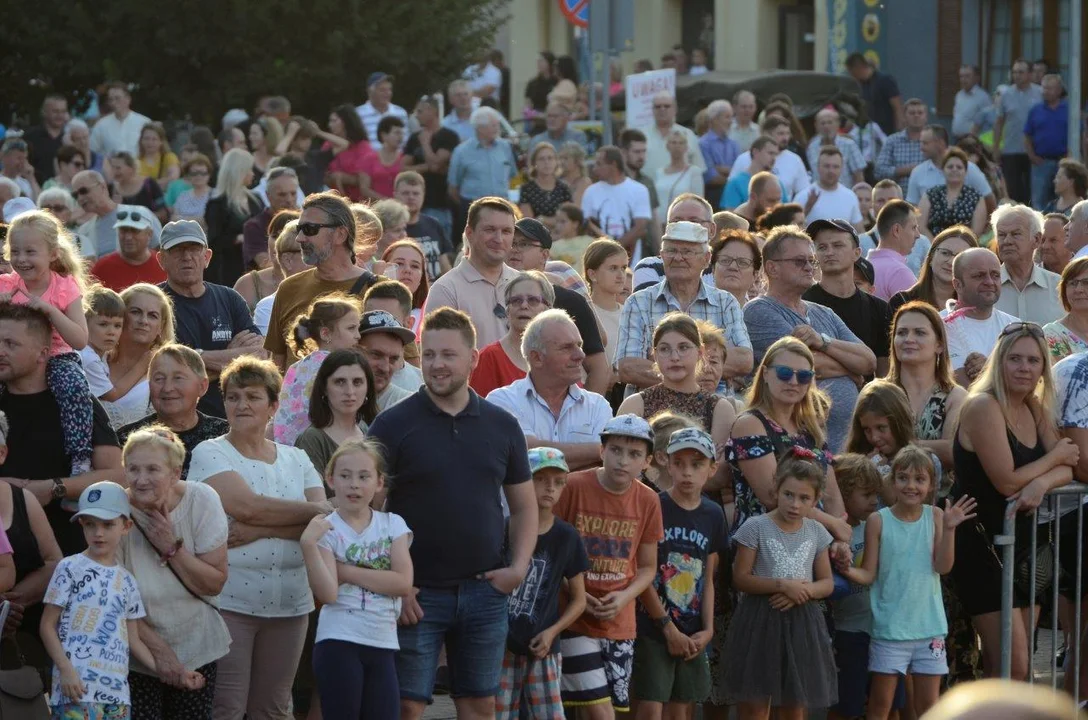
x,y
827,134
975,324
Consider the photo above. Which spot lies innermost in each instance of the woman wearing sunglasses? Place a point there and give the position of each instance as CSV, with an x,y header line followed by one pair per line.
x,y
501,362
1009,413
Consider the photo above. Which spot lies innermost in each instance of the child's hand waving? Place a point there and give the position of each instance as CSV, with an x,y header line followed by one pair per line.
x,y
961,512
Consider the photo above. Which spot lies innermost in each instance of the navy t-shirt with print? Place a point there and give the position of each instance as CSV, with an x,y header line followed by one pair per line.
x,y
210,322
691,537
434,241
534,606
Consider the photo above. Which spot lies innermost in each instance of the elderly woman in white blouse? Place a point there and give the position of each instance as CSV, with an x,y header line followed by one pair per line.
x,y
270,492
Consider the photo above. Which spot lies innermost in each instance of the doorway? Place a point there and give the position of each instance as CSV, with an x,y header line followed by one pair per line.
x,y
797,36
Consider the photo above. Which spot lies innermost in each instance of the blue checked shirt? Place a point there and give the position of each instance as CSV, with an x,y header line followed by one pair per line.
x,y
852,159
645,308
899,150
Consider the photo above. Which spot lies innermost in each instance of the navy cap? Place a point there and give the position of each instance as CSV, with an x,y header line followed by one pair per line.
x,y
377,77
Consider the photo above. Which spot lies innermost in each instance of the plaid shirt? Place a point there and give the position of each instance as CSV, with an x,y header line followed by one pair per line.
x,y
645,308
899,150
852,159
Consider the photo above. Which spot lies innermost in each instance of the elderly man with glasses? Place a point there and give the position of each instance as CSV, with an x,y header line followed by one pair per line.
x,y
97,236
686,254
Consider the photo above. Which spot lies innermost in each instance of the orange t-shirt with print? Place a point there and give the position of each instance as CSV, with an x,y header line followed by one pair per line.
x,y
612,526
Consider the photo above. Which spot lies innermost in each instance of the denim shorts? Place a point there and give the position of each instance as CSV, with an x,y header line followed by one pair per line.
x,y
471,620
852,657
918,657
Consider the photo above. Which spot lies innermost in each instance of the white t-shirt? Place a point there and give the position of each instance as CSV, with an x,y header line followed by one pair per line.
x,y
96,370
111,135
967,335
616,207
96,602
408,377
193,629
359,615
267,577
135,404
788,166
262,313
838,204
480,78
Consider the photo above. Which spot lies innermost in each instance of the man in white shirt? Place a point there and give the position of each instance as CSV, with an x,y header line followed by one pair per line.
x,y
745,130
616,205
485,79
1076,231
459,118
788,165
973,323
827,198
552,410
973,107
379,104
1028,291
120,130
657,136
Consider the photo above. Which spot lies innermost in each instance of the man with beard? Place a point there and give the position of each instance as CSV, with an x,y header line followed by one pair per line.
x,y
326,235
382,340
212,319
449,455
975,324
633,145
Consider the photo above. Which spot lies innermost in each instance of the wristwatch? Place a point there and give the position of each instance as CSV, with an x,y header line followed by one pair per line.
x,y
59,491
826,340
663,621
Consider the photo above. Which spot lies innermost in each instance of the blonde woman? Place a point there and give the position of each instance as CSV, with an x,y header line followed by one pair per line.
x,y
148,325
543,192
678,177
226,213
156,160
1009,413
264,136
572,161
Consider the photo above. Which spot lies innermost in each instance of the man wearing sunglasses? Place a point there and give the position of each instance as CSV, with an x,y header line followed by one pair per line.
x,y
975,323
97,236
327,238
133,262
842,359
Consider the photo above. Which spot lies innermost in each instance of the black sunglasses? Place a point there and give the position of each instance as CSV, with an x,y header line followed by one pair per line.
x,y
126,214
1030,328
83,190
309,229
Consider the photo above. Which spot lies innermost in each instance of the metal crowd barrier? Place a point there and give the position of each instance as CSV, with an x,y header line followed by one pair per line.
x,y
1007,544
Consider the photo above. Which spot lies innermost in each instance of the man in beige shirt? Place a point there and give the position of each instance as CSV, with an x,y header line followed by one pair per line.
x,y
478,283
1028,291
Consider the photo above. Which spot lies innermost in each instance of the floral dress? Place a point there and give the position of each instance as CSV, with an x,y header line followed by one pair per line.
x,y
943,216
293,415
1062,341
699,405
544,202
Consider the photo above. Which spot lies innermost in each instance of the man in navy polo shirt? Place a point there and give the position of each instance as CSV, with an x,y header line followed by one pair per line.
x,y
448,453
1046,134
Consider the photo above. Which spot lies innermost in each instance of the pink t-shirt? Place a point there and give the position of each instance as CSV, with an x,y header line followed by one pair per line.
x,y
892,274
351,161
382,176
63,290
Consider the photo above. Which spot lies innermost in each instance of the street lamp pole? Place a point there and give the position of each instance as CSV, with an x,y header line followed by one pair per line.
x,y
1075,50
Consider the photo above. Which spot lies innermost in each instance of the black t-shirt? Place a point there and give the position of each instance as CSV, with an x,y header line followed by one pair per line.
x,y
43,149
878,92
206,428
36,452
435,192
534,606
210,322
691,536
865,315
434,240
578,308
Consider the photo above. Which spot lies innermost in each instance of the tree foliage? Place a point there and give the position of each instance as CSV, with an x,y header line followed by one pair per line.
x,y
200,57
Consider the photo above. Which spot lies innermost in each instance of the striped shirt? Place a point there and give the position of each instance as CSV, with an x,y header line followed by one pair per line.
x,y
899,150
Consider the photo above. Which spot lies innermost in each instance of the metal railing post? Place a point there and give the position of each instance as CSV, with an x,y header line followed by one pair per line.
x,y
1007,542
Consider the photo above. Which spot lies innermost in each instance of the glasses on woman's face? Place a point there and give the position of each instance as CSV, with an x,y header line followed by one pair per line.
x,y
726,261
1077,283
786,373
530,301
944,254
198,173
681,350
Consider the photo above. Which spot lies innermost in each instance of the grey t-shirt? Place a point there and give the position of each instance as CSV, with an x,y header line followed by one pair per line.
x,y
768,320
105,236
1014,106
781,554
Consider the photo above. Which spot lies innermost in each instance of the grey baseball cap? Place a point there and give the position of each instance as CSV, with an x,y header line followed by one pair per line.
x,y
691,439
630,426
104,500
182,231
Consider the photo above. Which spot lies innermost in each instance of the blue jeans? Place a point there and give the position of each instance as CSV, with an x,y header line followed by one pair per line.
x,y
444,217
471,620
1042,183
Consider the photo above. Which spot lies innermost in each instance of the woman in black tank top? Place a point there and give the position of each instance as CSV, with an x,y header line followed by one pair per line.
x,y
1009,415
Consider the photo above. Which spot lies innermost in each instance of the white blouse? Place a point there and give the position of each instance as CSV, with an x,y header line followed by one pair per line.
x,y
266,578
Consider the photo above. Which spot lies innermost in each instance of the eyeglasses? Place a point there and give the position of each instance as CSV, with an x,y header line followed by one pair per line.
x,y
1030,328
799,263
1077,283
135,216
944,253
725,261
499,311
530,301
666,106
681,350
685,254
522,245
785,374
309,229
198,173
84,190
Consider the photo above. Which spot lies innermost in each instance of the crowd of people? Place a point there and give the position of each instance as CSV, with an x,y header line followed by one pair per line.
x,y
315,421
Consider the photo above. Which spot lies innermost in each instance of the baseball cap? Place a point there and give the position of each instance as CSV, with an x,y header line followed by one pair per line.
x,y
133,216
377,77
534,230
182,231
691,439
683,231
104,500
18,206
629,426
233,117
381,321
831,224
865,267
546,457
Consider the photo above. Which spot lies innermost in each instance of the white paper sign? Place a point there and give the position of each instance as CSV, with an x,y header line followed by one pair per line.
x,y
641,89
